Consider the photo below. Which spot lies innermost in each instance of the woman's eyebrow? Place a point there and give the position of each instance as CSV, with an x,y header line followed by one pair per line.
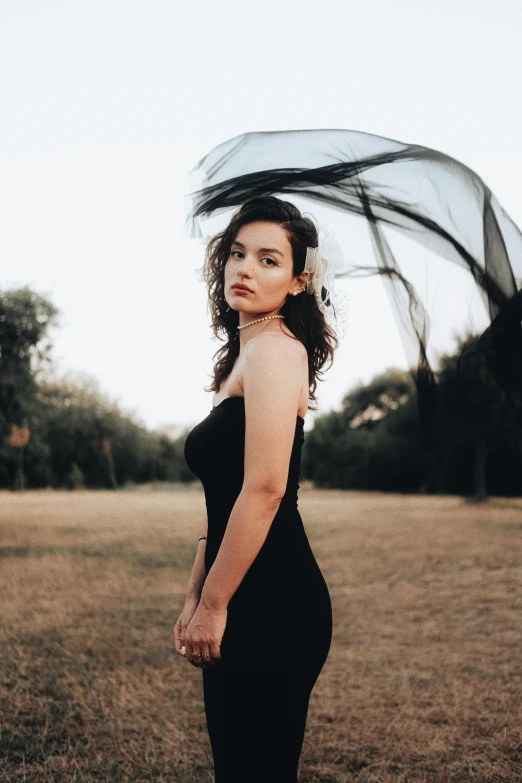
x,y
261,249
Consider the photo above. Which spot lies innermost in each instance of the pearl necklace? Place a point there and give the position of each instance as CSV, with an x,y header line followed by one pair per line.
x,y
266,318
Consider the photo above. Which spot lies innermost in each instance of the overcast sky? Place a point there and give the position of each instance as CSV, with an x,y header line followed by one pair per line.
x,y
106,106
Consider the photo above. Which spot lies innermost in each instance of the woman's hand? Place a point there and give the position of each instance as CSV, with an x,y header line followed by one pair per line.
x,y
187,613
204,635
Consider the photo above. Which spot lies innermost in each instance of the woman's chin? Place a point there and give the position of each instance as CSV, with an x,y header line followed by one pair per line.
x,y
240,308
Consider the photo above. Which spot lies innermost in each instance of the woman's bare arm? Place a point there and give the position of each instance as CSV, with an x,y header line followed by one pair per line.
x,y
272,381
198,573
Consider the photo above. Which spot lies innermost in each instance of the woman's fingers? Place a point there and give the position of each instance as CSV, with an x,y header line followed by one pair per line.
x,y
190,654
196,655
203,636
206,660
179,638
215,651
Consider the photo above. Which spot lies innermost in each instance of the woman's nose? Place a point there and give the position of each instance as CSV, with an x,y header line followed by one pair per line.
x,y
246,265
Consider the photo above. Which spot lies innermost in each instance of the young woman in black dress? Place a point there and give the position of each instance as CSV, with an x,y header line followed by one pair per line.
x,y
257,618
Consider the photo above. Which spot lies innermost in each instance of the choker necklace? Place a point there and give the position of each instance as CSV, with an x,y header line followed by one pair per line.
x,y
266,318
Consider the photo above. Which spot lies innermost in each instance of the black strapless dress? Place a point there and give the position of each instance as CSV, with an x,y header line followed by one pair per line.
x,y
279,622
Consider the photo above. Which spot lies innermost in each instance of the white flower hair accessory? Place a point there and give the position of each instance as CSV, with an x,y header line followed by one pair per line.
x,y
323,263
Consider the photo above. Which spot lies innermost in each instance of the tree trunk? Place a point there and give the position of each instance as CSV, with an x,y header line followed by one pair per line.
x,y
480,468
112,472
436,482
20,471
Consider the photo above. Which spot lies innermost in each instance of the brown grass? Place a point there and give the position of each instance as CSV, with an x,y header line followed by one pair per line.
x,y
423,681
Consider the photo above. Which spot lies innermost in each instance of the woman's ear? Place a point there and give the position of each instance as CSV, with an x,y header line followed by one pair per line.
x,y
302,279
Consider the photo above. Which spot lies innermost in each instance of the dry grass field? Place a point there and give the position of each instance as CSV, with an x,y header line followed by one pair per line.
x,y
423,682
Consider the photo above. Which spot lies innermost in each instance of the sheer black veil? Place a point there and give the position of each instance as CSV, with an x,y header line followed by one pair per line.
x,y
419,192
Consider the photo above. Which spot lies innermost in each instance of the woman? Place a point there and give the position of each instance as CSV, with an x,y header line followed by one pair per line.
x,y
257,619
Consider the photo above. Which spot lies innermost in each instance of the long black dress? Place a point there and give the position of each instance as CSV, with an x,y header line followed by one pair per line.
x,y
279,622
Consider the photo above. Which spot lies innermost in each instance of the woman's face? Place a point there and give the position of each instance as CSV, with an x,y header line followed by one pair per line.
x,y
260,259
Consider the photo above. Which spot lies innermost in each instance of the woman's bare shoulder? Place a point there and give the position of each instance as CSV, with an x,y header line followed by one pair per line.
x,y
276,369
275,345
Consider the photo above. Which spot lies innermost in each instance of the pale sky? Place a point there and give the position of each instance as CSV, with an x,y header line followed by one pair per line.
x,y
106,106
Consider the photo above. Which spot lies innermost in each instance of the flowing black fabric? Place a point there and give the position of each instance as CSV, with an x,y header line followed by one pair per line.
x,y
420,192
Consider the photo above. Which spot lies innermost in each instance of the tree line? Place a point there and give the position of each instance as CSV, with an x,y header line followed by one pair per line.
x,y
63,432
375,442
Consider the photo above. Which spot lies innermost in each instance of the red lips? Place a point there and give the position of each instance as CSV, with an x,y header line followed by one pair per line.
x,y
241,287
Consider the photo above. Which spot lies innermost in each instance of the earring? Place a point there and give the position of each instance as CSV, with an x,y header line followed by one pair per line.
x,y
294,293
228,308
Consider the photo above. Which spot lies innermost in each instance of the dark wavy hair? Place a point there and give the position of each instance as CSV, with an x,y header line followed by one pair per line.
x,y
302,315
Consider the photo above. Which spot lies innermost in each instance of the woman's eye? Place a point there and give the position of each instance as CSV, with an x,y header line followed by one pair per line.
x,y
266,258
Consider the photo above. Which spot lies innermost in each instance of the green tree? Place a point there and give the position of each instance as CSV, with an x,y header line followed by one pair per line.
x,y
366,405
63,431
25,321
373,442
475,417
111,448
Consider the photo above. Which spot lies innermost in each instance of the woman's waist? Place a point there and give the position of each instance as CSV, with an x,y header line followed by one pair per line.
x,y
292,587
286,549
